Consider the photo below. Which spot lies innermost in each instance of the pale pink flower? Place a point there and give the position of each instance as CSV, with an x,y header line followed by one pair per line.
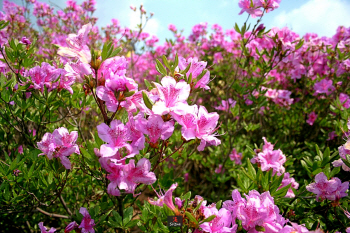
x,y
236,205
136,136
251,7
226,105
77,47
311,118
345,100
221,223
188,121
166,198
196,69
44,76
219,169
77,71
172,96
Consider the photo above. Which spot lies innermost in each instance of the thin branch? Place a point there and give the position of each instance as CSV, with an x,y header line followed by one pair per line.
x,y
51,214
65,206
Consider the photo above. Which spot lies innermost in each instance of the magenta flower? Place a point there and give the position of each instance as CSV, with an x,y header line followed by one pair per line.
x,y
166,198
156,128
71,226
235,206
116,136
332,189
44,76
112,66
236,157
20,149
25,41
87,223
43,229
311,118
127,177
324,87
59,144
172,96
206,126
77,47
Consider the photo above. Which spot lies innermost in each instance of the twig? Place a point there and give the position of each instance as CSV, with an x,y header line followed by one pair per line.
x,y
65,205
51,214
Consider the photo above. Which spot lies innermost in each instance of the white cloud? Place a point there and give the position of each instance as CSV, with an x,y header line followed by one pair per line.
x,y
318,16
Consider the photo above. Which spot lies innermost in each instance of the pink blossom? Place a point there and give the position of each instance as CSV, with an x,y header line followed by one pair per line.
x,y
188,121
251,7
179,202
311,118
156,128
77,47
286,181
172,96
166,198
236,157
221,223
71,226
116,136
196,69
20,149
324,87
127,177
136,136
59,144
87,223
43,229
226,105
172,27
219,169
331,135
332,189
77,71
345,100
206,126
112,66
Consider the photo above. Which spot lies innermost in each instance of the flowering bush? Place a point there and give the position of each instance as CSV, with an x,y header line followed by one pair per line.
x,y
93,122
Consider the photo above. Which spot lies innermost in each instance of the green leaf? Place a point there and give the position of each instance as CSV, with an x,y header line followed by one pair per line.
x,y
191,217
276,183
300,43
218,204
128,212
149,104
211,217
166,63
251,169
148,85
167,210
160,68
281,192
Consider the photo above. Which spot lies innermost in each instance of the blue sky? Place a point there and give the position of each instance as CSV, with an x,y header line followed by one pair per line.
x,y
318,16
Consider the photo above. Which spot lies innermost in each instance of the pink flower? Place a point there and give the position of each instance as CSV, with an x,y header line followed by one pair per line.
x,y
71,226
235,206
226,105
166,198
77,47
77,71
251,7
172,27
43,229
196,69
236,157
156,128
112,66
332,189
172,96
136,136
59,144
345,100
218,170
324,87
286,181
116,136
25,41
311,118
331,135
221,223
188,121
20,149
127,177
87,223
206,126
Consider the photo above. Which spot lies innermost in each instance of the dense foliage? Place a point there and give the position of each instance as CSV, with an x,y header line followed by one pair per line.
x,y
105,130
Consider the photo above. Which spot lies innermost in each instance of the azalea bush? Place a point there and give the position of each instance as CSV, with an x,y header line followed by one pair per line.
x,y
106,130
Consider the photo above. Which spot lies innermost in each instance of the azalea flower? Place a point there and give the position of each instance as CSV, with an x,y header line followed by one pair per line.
x,y
77,47
172,96
87,223
43,229
166,198
156,128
